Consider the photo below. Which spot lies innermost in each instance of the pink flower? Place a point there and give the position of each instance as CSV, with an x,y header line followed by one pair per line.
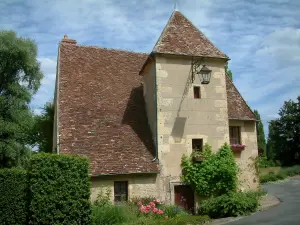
x,y
148,207
152,204
142,208
157,201
155,210
139,203
160,212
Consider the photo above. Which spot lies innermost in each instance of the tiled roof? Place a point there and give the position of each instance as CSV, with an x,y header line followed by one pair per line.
x,y
181,37
237,107
101,109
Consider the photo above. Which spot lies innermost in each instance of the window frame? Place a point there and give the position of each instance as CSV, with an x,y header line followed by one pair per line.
x,y
193,144
197,94
121,192
235,135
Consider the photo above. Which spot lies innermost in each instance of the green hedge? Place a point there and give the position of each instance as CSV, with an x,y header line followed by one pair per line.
x,y
59,189
13,196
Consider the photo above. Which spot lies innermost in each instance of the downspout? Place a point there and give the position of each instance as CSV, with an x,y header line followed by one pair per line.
x,y
156,127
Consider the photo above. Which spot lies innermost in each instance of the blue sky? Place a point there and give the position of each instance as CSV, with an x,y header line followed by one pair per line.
x,y
262,37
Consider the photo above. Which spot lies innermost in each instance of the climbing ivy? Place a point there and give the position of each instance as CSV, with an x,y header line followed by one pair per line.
x,y
215,175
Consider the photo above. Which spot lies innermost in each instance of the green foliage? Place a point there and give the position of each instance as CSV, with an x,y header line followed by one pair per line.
x,y
180,220
272,177
281,175
215,176
261,140
20,78
43,129
230,204
284,132
228,72
60,190
186,220
109,214
13,198
173,211
263,162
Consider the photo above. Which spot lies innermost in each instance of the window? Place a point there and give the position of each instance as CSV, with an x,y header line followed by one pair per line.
x,y
197,92
120,191
197,144
235,135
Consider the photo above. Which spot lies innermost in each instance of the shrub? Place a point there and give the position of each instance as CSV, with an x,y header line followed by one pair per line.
x,y
110,214
291,171
272,177
60,190
215,176
231,204
13,197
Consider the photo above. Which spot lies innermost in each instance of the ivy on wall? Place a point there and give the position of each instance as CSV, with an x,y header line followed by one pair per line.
x,y
215,175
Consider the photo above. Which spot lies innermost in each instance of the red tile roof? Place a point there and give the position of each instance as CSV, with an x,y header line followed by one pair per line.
x,y
102,113
101,109
181,37
237,107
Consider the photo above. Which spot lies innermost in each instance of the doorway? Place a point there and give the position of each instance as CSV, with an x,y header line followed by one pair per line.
x,y
184,197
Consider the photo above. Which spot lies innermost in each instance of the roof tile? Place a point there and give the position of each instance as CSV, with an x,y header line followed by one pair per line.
x,y
101,110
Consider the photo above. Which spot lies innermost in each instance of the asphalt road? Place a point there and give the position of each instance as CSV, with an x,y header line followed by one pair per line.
x,y
286,213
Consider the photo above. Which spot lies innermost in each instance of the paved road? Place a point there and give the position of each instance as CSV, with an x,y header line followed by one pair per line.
x,y
286,213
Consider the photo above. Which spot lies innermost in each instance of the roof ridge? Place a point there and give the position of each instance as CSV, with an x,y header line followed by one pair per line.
x,y
104,48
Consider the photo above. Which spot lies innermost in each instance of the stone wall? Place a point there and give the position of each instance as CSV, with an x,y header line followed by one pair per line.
x,y
246,159
149,96
182,118
139,185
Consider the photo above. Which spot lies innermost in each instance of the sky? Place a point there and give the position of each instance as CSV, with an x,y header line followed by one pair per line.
x,y
261,37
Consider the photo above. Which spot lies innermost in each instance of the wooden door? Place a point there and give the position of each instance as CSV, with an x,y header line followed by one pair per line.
x,y
184,197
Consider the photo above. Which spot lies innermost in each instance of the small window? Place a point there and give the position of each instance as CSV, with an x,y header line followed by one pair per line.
x,y
197,144
197,92
120,191
235,135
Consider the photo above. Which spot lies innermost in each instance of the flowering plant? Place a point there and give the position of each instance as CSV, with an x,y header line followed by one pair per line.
x,y
151,208
237,147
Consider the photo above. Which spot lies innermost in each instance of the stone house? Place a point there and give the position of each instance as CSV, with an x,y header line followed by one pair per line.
x,y
134,115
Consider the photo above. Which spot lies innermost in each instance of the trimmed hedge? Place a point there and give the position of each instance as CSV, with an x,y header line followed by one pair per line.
x,y
59,190
13,197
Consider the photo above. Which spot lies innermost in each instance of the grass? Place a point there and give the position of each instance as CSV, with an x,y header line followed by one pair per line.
x,y
275,173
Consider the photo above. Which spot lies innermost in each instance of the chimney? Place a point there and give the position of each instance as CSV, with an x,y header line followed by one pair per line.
x,y
68,41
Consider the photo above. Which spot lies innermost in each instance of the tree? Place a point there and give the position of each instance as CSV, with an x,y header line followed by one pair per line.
x,y
270,153
228,72
20,78
43,128
261,140
284,137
